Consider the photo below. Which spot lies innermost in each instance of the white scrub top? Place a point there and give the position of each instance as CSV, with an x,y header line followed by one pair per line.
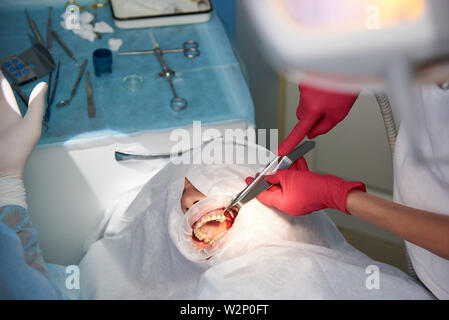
x,y
421,167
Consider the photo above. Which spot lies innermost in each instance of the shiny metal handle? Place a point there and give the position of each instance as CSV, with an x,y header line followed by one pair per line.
x,y
262,186
300,151
284,163
122,156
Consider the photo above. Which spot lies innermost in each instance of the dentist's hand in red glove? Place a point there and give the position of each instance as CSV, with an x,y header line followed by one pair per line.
x,y
299,192
318,112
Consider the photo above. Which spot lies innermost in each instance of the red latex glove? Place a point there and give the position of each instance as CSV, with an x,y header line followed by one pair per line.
x,y
318,112
299,192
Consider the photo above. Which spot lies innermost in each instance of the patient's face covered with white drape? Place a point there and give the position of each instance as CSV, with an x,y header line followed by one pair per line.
x,y
210,188
208,220
148,248
153,253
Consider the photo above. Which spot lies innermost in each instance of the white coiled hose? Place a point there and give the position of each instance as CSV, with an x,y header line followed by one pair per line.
x,y
391,131
388,117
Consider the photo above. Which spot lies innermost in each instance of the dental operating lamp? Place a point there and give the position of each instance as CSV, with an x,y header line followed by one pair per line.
x,y
353,44
390,46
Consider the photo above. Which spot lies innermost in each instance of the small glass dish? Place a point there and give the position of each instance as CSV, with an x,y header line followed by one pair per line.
x,y
133,82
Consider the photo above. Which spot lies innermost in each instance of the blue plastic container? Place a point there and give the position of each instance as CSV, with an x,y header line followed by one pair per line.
x,y
102,61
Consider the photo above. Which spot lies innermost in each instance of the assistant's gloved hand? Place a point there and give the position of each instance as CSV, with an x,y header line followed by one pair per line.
x,y
318,112
18,136
299,192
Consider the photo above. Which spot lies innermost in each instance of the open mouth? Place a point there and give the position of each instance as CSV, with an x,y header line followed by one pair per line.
x,y
212,226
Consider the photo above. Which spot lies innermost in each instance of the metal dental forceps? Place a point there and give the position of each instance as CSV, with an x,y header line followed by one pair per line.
x,y
260,184
190,50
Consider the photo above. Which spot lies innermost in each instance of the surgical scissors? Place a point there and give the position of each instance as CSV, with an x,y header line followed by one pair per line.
x,y
189,49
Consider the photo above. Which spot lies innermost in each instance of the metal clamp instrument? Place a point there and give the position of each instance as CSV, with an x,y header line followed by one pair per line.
x,y
260,184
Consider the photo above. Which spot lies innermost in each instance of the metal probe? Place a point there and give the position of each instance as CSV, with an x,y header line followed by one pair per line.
x,y
64,46
35,30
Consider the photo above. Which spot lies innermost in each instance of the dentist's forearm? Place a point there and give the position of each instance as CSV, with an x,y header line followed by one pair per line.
x,y
425,229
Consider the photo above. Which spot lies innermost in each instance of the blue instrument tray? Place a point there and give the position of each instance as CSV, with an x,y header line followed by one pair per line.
x,y
212,83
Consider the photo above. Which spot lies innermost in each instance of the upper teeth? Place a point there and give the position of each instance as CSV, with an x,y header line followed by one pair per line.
x,y
218,217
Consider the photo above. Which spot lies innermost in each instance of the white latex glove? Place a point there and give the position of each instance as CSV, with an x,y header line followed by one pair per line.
x,y
19,136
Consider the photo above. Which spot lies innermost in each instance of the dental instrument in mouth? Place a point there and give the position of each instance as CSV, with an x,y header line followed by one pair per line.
x,y
260,184
210,222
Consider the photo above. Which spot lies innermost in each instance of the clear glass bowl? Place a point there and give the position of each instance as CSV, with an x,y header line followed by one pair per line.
x,y
133,82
